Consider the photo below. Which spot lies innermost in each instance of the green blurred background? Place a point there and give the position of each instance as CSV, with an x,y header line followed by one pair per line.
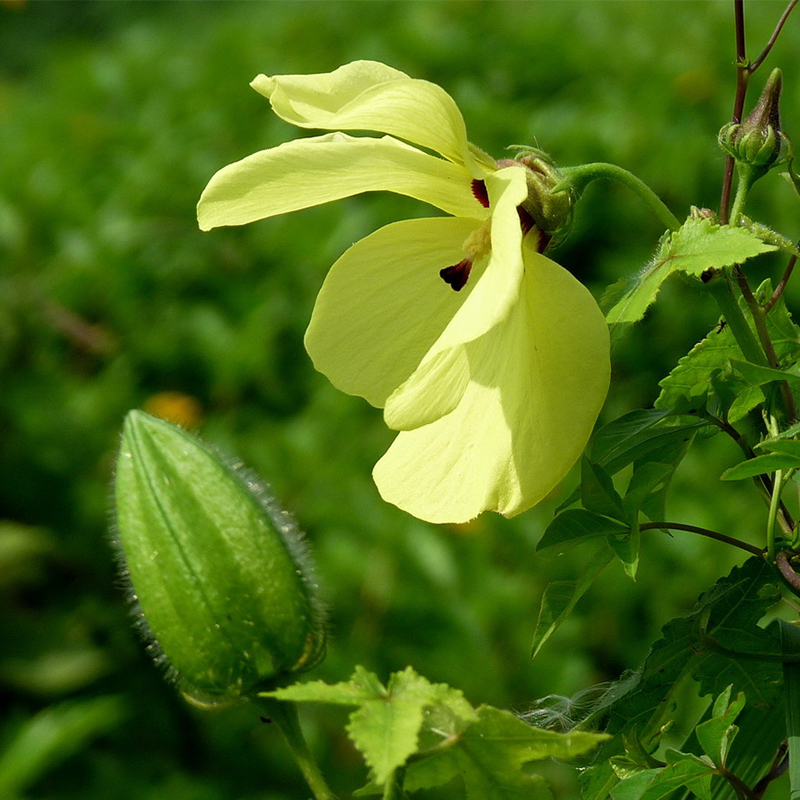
x,y
113,115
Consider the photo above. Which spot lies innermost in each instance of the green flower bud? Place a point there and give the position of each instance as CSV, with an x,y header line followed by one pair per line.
x,y
219,574
550,211
759,140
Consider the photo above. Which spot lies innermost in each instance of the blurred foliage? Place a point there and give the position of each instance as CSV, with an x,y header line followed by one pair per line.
x,y
112,118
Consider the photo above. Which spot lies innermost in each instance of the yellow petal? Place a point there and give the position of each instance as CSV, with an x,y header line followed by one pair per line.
x,y
369,96
538,382
308,172
435,388
383,305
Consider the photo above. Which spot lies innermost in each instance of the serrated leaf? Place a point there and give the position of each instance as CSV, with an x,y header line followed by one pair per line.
x,y
766,234
685,769
700,244
491,755
691,382
716,735
386,726
576,526
598,493
386,730
697,246
361,688
702,647
560,597
760,465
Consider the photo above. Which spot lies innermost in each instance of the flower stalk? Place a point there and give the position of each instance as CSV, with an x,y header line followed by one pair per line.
x,y
284,715
578,178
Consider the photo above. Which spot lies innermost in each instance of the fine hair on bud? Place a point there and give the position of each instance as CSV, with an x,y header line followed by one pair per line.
x,y
219,577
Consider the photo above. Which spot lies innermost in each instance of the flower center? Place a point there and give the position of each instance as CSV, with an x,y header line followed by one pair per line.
x,y
479,243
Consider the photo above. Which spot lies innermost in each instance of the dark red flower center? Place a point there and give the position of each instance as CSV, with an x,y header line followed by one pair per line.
x,y
456,276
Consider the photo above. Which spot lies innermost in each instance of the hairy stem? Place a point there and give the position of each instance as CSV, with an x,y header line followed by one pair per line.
x,y
284,715
578,178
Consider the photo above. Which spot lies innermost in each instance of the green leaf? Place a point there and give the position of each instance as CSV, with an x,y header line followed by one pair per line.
x,y
51,736
789,447
698,245
702,647
757,375
792,178
598,493
766,234
639,437
644,435
626,547
646,490
361,688
560,597
691,383
386,726
717,734
576,526
790,643
683,769
760,465
491,755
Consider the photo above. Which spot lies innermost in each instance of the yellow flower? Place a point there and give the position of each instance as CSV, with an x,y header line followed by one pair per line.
x,y
490,359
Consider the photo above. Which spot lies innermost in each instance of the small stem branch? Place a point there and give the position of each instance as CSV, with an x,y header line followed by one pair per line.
x,y
772,39
720,537
759,316
787,571
773,514
763,483
779,765
739,786
284,715
779,289
580,177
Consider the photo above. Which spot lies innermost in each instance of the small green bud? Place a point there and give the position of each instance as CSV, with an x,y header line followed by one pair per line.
x,y
550,211
758,141
219,574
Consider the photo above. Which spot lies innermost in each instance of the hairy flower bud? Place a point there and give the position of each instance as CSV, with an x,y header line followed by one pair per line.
x,y
551,211
219,574
758,141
